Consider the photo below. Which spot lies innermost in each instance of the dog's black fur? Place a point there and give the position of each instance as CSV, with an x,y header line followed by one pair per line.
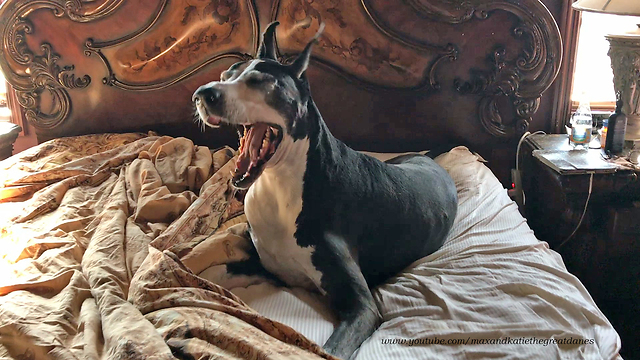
x,y
364,219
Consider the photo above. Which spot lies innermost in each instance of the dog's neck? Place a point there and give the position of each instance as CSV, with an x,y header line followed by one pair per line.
x,y
292,154
289,159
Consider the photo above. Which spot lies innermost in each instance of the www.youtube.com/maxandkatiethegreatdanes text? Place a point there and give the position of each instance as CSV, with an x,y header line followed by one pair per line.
x,y
480,341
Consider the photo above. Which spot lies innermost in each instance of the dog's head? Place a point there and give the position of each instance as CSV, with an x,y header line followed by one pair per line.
x,y
268,99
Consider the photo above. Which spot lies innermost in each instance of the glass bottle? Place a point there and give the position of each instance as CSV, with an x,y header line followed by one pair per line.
x,y
616,128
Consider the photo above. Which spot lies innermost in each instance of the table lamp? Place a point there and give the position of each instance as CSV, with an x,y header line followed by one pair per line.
x,y
624,52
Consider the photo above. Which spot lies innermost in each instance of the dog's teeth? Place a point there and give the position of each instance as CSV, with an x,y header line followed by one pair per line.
x,y
243,141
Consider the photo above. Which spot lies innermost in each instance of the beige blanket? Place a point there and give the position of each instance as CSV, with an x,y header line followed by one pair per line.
x,y
100,238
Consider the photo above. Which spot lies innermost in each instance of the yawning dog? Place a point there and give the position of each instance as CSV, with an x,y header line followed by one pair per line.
x,y
321,215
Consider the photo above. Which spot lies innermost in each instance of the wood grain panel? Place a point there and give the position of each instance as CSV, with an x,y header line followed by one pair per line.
x,y
180,38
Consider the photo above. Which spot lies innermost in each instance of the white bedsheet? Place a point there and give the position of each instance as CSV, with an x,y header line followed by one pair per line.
x,y
492,283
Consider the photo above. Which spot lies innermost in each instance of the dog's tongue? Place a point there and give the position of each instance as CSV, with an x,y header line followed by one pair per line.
x,y
252,142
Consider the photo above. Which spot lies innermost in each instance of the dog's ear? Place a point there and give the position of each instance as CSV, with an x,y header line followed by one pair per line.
x,y
300,64
267,48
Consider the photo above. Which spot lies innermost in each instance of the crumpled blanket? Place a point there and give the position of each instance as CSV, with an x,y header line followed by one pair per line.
x,y
98,235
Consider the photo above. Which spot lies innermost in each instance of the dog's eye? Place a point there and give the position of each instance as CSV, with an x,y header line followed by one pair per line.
x,y
256,80
262,81
253,81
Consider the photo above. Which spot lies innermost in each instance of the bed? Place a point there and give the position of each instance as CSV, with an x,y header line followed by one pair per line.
x,y
114,228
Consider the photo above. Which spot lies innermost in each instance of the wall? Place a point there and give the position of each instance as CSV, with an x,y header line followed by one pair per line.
x,y
25,141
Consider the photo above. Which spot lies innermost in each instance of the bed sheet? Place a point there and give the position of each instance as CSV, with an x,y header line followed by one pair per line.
x,y
492,291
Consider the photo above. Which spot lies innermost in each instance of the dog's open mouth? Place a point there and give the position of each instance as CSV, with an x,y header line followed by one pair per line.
x,y
258,143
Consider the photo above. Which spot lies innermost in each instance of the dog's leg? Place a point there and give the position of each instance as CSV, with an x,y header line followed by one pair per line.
x,y
348,295
252,269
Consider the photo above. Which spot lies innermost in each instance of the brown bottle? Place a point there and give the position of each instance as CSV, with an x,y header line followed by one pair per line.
x,y
615,130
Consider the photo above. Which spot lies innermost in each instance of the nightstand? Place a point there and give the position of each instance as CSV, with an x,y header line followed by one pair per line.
x,y
603,253
8,134
556,201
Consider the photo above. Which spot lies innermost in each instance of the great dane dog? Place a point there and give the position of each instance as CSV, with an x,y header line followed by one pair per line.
x,y
321,215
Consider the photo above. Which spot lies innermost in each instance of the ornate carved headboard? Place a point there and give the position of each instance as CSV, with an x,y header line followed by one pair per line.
x,y
386,75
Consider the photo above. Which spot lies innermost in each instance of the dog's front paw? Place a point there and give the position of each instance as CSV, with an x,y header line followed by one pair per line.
x,y
350,334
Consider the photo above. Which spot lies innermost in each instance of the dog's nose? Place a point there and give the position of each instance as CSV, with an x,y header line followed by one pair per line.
x,y
208,94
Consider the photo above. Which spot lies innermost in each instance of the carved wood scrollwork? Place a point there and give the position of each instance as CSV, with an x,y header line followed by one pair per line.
x,y
181,38
31,73
522,80
365,52
453,12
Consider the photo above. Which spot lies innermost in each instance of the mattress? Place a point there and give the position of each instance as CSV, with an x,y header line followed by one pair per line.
x,y
492,291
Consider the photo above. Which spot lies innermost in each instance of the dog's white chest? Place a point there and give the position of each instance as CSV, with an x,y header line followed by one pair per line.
x,y
272,206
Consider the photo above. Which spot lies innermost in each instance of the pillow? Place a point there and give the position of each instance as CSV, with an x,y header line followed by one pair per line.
x,y
387,156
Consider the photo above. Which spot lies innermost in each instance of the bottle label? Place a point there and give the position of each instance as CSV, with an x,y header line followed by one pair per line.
x,y
580,135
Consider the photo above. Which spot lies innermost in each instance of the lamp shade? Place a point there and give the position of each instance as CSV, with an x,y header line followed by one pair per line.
x,y
619,7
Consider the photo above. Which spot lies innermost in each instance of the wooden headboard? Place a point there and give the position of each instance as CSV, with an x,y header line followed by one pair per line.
x,y
386,75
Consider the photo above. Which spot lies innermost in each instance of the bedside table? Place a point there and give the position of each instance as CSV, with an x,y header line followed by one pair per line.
x,y
555,202
8,134
603,253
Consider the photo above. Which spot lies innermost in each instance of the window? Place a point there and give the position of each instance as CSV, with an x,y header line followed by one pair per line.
x,y
593,77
